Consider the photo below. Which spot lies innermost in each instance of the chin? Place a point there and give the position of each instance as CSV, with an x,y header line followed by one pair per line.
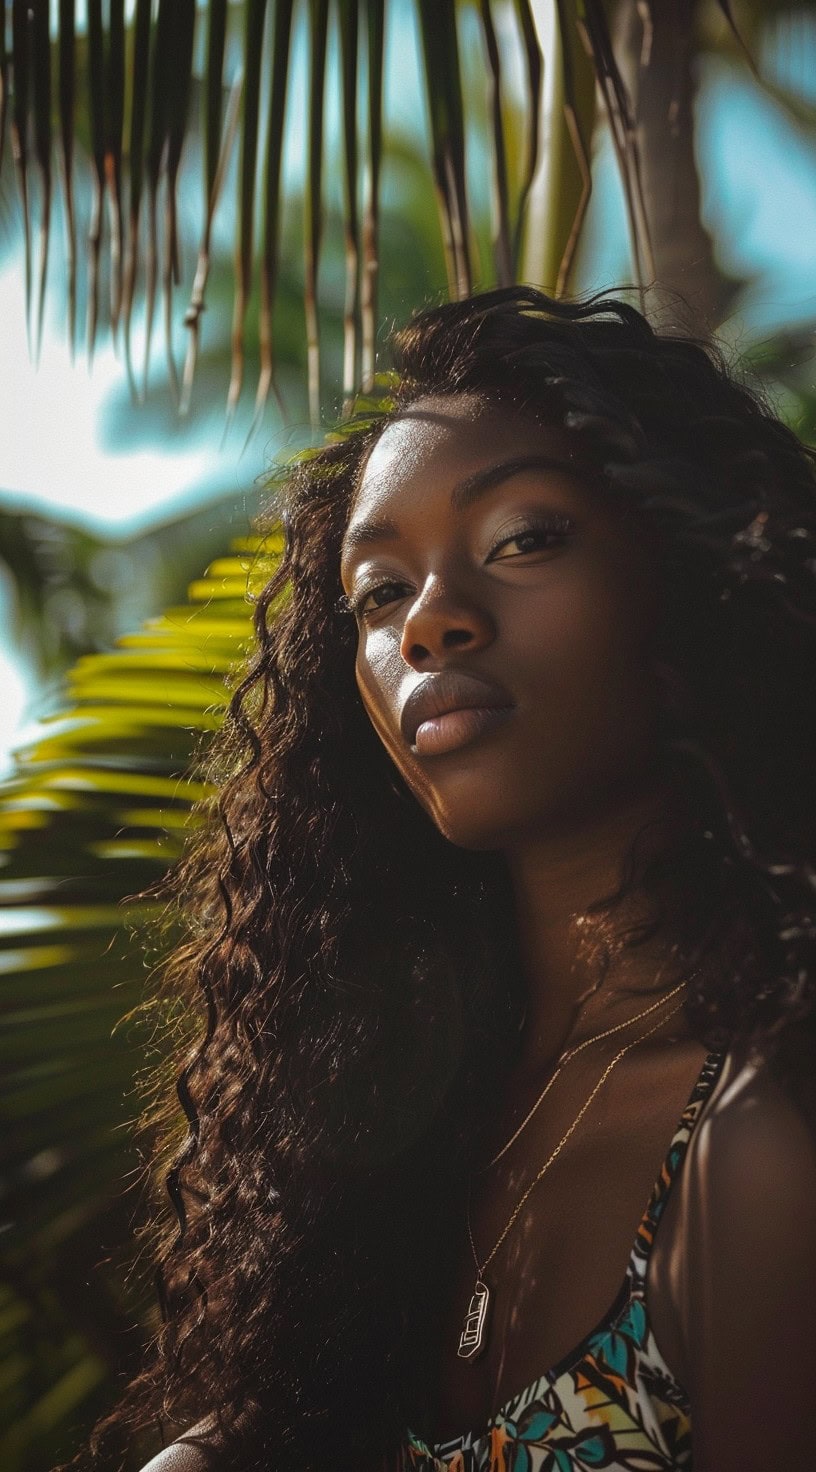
x,y
479,826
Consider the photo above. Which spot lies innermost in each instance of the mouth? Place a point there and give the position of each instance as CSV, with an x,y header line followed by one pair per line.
x,y
451,709
457,728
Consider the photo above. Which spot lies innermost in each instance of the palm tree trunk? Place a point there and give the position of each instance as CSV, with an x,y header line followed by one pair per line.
x,y
654,46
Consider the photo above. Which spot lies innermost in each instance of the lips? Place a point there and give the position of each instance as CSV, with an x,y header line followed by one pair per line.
x,y
438,696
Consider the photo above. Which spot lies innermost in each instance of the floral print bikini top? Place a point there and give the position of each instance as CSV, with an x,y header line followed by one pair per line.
x,y
612,1403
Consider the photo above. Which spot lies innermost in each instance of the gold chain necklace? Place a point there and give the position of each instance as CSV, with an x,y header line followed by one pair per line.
x,y
564,1058
473,1338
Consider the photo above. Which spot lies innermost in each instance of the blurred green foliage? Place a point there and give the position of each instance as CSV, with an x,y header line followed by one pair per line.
x,y
100,799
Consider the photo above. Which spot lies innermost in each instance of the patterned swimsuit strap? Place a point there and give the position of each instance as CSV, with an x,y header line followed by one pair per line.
x,y
672,1165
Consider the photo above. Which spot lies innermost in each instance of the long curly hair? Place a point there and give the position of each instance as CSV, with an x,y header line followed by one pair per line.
x,y
356,977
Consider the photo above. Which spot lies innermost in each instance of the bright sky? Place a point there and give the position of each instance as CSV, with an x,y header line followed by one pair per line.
x,y
54,453
760,200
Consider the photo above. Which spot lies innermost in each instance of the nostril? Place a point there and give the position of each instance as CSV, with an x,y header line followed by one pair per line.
x,y
454,637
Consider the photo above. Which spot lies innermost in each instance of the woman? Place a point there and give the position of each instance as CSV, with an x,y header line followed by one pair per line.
x,y
508,912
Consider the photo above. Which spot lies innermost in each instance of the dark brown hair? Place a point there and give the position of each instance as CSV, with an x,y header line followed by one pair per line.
x,y
356,976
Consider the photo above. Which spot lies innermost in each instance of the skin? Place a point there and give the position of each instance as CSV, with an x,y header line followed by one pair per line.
x,y
560,789
564,622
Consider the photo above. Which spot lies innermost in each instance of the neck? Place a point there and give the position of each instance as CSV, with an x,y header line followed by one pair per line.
x,y
569,959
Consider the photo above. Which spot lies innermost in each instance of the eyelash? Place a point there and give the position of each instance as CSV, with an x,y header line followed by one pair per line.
x,y
556,528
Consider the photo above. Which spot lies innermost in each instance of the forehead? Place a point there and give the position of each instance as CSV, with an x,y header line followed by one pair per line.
x,y
455,432
439,440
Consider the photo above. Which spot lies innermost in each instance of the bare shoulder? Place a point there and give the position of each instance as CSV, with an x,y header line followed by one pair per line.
x,y
754,1146
749,1289
750,1194
195,1451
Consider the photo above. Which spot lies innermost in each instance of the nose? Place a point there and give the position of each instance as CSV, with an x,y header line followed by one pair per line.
x,y
440,620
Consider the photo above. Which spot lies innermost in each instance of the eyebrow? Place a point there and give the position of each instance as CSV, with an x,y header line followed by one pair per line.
x,y
463,495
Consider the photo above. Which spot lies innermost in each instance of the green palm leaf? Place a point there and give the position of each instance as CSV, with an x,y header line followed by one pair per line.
x,y
97,809
101,798
127,90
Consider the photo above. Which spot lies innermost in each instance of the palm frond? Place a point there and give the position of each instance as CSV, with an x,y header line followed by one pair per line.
x,y
96,109
4,78
130,95
19,131
253,54
214,169
579,115
502,246
182,47
534,68
727,10
557,196
440,49
114,123
375,34
67,89
163,81
313,198
592,21
97,809
347,19
140,66
41,102
272,207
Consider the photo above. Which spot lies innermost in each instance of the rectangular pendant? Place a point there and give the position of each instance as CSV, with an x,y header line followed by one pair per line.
x,y
473,1338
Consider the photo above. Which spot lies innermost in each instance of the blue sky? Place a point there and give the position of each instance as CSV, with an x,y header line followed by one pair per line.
x,y
759,201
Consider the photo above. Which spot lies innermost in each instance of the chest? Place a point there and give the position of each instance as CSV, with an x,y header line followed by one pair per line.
x,y
561,1265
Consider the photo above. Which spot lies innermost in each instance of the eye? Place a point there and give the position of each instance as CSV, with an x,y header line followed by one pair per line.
x,y
381,593
538,537
530,538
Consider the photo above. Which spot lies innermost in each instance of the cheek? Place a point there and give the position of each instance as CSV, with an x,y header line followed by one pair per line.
x,y
584,644
377,669
380,670
589,678
578,663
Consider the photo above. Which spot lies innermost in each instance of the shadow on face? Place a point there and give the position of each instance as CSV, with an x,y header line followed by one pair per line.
x,y
483,554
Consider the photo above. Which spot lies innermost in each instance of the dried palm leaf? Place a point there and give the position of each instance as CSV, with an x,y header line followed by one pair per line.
x,y
114,121
272,206
41,106
245,244
96,102
176,123
19,132
375,26
67,90
136,146
444,91
502,246
313,201
534,66
590,16
162,74
725,7
347,18
579,134
3,86
213,179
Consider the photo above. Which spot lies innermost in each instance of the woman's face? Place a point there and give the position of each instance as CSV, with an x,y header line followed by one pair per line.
x,y
504,613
